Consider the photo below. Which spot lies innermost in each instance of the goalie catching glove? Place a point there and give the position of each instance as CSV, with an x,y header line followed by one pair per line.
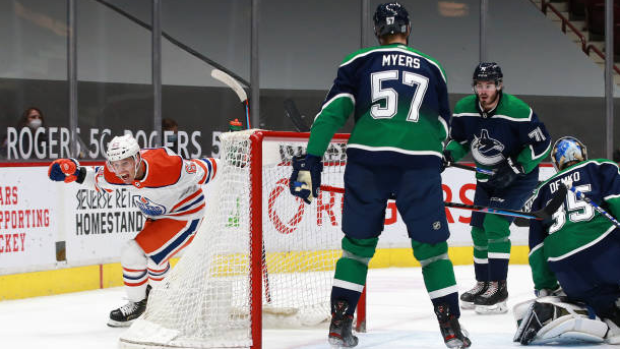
x,y
67,170
305,181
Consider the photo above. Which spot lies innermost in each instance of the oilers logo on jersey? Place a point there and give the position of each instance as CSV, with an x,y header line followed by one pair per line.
x,y
149,207
486,150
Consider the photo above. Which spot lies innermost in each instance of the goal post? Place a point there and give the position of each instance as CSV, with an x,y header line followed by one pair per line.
x,y
261,259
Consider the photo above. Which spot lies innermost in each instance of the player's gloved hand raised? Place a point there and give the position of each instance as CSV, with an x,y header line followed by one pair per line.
x,y
557,291
446,160
66,170
305,181
506,173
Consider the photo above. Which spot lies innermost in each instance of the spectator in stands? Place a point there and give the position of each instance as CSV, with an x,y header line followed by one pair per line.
x,y
33,119
170,130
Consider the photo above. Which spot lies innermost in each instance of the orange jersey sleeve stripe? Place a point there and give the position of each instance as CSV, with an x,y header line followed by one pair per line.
x,y
214,163
204,168
188,212
186,200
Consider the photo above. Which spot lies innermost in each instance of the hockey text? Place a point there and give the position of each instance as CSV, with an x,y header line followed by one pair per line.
x,y
401,60
573,177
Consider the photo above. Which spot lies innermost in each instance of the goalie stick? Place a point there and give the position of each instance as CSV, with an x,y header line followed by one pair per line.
x,y
229,81
599,209
545,213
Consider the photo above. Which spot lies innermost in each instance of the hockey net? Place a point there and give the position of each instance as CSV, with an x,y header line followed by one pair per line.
x,y
261,256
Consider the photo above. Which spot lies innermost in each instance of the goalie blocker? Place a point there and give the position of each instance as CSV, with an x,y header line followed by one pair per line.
x,y
555,320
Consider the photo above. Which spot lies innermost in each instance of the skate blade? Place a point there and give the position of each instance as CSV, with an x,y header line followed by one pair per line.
x,y
458,344
337,343
498,308
467,305
119,324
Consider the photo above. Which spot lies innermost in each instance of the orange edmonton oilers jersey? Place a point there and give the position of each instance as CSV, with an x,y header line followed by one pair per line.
x,y
171,187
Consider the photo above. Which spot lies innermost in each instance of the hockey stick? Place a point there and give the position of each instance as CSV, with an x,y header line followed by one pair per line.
x,y
470,168
599,209
229,81
545,213
291,111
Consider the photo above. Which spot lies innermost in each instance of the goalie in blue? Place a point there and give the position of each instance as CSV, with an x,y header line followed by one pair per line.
x,y
577,249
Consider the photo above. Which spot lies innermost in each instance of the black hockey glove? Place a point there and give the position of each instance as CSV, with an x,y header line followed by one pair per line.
x,y
506,173
305,181
446,160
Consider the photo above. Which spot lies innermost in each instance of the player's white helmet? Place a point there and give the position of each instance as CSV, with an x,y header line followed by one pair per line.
x,y
122,147
566,150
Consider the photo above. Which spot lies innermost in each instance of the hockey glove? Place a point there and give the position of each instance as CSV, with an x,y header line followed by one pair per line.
x,y
506,173
305,181
446,160
66,170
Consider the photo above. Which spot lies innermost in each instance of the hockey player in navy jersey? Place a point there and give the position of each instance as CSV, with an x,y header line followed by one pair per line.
x,y
503,135
399,100
579,247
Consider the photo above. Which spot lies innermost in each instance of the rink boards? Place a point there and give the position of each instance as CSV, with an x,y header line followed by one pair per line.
x,y
58,238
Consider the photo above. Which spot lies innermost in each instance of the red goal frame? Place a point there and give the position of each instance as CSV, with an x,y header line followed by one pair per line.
x,y
256,234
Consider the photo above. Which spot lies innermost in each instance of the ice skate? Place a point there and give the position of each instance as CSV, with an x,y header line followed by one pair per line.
x,y
467,298
493,300
340,332
125,315
453,335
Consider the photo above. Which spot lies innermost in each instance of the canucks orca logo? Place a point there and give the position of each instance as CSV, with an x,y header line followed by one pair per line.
x,y
487,150
149,207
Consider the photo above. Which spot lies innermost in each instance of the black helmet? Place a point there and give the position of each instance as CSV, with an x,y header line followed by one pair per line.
x,y
390,18
488,71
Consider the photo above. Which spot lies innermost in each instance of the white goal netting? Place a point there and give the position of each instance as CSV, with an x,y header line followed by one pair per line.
x,y
207,300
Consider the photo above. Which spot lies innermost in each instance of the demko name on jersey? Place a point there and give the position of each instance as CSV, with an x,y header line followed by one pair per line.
x,y
573,177
401,60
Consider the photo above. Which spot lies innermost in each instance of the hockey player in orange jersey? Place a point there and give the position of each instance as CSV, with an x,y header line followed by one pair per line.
x,y
167,190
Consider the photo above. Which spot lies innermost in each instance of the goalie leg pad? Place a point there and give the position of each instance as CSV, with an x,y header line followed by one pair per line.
x,y
613,336
550,319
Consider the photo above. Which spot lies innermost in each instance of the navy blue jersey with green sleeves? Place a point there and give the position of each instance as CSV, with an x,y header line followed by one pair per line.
x,y
399,99
575,229
512,129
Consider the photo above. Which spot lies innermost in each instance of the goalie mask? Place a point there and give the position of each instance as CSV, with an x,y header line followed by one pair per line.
x,y
566,150
390,18
122,148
